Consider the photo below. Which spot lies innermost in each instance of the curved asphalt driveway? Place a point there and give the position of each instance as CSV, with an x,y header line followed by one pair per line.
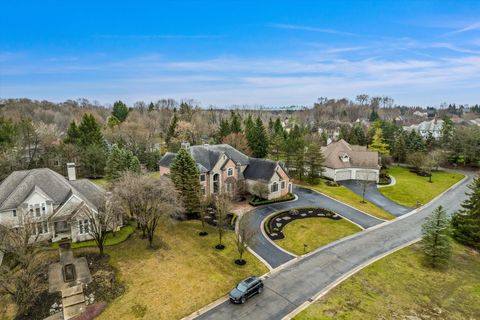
x,y
376,197
288,288
306,198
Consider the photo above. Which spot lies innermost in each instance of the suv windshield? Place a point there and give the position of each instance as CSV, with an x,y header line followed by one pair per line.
x,y
242,287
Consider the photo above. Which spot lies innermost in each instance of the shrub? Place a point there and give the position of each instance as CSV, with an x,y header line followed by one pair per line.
x,y
255,201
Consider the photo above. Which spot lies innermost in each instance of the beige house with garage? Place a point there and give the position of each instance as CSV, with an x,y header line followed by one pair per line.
x,y
344,161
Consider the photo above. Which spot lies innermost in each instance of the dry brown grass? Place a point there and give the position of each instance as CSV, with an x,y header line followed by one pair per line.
x,y
183,275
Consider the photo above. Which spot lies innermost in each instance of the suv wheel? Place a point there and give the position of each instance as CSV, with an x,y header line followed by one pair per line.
x,y
242,301
260,289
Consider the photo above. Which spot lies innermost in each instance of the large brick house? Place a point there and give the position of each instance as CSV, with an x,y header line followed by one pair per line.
x,y
223,168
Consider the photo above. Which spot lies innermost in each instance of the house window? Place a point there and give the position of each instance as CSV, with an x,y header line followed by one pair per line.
x,y
86,226
282,184
230,172
37,211
43,208
274,187
40,228
202,177
14,212
80,226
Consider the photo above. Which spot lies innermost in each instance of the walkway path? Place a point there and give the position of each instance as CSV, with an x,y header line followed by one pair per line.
x,y
376,197
306,198
288,288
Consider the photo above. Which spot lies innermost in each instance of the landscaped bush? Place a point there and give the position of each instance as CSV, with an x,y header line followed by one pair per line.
x,y
332,183
256,201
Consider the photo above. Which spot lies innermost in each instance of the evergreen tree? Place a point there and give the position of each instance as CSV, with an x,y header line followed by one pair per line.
x,y
299,164
378,144
415,142
293,144
374,116
186,177
73,134
185,111
436,242
172,130
90,131
249,125
277,127
93,160
151,107
448,130
466,222
223,130
313,161
400,148
120,160
120,111
235,123
258,140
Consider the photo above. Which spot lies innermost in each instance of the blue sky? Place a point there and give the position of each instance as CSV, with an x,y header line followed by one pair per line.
x,y
225,53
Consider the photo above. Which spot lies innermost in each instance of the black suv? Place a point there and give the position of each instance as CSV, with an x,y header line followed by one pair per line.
x,y
246,289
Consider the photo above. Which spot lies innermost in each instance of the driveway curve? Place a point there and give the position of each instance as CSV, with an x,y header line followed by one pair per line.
x,y
287,289
274,256
376,197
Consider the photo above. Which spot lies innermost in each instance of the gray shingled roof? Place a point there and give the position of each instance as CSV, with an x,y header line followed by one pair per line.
x,y
359,156
260,169
207,156
19,184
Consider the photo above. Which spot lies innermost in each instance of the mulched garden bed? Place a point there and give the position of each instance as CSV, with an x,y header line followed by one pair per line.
x,y
274,226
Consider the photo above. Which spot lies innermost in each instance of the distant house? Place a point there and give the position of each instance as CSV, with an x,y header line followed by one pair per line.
x,y
425,128
51,204
344,161
223,167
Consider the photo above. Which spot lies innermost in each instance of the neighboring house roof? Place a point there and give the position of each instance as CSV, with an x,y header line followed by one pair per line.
x,y
207,156
427,126
20,184
357,156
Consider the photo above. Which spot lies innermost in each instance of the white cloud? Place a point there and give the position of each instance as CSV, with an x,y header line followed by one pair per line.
x,y
309,29
471,27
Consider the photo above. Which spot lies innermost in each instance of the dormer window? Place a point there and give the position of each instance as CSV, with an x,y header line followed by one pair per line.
x,y
230,172
344,157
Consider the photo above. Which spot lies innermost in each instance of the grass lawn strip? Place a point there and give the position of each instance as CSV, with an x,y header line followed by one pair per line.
x,y
315,233
411,188
182,276
399,286
349,197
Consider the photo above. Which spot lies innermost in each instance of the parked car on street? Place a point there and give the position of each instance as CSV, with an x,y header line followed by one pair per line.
x,y
246,289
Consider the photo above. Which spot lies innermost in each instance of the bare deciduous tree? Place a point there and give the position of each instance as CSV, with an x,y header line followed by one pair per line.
x,y
244,235
222,206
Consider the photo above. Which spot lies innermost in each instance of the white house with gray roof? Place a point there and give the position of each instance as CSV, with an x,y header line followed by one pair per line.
x,y
433,127
53,205
223,167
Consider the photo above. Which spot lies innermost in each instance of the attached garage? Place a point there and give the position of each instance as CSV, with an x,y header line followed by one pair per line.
x,y
343,175
370,175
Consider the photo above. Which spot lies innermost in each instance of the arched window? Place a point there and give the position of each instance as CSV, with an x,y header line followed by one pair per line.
x,y
230,172
274,187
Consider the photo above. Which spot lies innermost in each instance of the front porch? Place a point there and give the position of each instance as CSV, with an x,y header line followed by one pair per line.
x,y
61,231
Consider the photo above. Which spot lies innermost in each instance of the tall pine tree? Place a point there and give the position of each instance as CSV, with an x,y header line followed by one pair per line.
x,y
313,161
258,140
120,111
466,222
436,242
378,144
186,177
172,131
235,123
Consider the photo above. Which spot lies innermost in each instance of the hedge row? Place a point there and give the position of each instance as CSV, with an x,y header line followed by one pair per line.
x,y
254,201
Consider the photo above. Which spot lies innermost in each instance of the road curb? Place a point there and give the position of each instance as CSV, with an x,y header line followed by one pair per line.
x,y
320,294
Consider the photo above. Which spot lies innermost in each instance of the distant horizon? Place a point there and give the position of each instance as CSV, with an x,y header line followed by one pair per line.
x,y
420,53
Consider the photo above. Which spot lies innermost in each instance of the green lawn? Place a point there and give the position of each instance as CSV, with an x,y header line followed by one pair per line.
x,y
183,275
349,197
314,232
399,286
411,188
111,240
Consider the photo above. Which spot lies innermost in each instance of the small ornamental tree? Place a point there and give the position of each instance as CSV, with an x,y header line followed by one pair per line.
x,y
222,208
436,242
186,177
466,222
244,235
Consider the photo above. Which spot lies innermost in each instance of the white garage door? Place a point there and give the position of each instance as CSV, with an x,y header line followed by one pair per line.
x,y
366,175
343,175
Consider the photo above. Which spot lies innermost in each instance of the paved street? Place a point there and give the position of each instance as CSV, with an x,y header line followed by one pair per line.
x,y
288,288
373,195
306,197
